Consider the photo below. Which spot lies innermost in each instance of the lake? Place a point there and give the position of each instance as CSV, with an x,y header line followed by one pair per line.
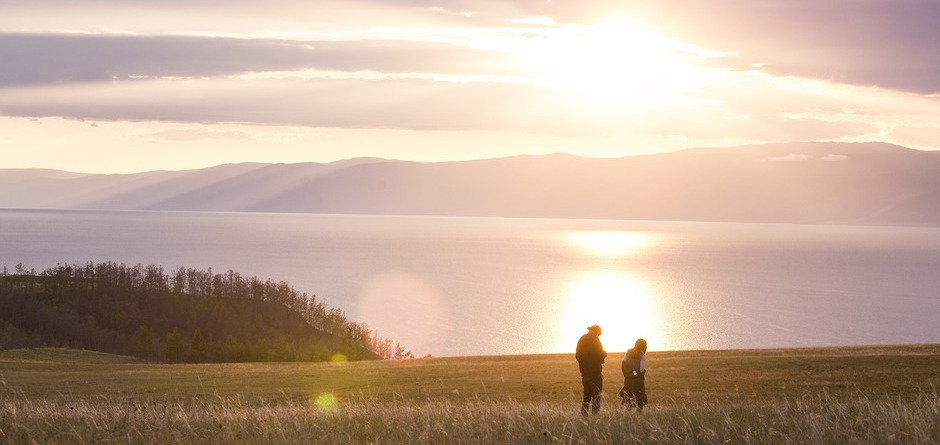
x,y
482,286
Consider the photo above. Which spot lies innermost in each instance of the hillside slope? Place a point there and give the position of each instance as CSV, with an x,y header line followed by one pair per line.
x,y
828,183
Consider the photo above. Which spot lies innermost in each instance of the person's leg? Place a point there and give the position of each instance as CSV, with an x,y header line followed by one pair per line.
x,y
586,398
598,389
641,400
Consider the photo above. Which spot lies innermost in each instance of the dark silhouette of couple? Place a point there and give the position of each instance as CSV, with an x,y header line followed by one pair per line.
x,y
591,355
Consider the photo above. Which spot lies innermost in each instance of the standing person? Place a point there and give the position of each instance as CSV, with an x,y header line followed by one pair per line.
x,y
591,355
634,377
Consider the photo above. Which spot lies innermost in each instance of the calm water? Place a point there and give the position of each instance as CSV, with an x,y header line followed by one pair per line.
x,y
474,286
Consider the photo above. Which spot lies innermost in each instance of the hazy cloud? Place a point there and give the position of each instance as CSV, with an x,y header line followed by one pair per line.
x,y
779,68
805,157
347,103
890,44
377,100
37,59
791,157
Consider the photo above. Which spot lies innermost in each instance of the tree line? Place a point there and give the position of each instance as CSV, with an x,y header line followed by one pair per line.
x,y
181,315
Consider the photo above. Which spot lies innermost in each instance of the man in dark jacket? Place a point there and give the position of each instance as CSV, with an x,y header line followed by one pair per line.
x,y
591,355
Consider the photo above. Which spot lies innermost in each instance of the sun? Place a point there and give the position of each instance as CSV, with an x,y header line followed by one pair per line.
x,y
616,65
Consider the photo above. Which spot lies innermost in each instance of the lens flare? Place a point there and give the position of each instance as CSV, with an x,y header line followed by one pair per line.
x,y
406,309
324,401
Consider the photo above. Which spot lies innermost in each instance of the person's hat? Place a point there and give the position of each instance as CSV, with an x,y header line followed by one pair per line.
x,y
595,329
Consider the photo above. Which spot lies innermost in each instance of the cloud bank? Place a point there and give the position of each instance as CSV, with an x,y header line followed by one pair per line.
x,y
756,71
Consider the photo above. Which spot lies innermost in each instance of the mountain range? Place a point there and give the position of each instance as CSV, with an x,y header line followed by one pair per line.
x,y
806,183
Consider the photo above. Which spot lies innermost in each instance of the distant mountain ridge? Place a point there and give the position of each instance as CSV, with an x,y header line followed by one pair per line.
x,y
818,183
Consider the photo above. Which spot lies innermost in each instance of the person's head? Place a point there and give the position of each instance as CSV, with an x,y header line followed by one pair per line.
x,y
640,345
595,329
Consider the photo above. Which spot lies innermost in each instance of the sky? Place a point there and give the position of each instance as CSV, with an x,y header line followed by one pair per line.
x,y
123,86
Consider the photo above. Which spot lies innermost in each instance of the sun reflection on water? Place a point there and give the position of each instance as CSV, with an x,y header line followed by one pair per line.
x,y
620,303
608,294
608,242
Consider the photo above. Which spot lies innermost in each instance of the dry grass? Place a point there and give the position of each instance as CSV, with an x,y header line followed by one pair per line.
x,y
813,396
809,420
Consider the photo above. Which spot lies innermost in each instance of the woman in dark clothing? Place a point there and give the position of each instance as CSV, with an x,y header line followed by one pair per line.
x,y
634,373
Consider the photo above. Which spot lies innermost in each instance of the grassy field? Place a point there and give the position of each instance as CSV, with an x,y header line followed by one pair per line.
x,y
884,394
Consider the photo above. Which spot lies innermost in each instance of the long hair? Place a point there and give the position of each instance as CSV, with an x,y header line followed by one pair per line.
x,y
638,349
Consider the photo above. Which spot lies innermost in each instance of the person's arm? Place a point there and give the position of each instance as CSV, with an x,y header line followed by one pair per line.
x,y
643,363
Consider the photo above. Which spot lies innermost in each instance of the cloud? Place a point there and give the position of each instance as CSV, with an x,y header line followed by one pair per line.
x,y
429,101
794,157
791,157
443,65
344,103
861,42
38,59
218,17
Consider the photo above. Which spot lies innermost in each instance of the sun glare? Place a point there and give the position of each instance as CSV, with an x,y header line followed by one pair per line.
x,y
609,243
620,303
618,66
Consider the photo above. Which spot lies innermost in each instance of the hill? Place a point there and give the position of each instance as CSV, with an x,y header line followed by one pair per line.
x,y
43,356
822,183
183,316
